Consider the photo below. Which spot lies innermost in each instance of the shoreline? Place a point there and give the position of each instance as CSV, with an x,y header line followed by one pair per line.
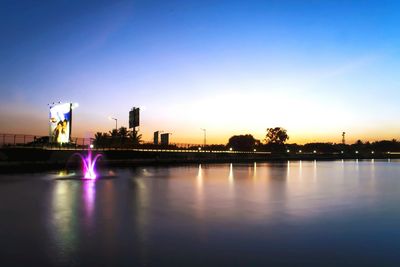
x,y
19,160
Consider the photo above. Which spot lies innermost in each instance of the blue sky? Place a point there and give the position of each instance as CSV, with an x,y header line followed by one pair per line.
x,y
316,68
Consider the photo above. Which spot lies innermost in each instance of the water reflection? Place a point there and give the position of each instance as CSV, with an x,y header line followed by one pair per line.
x,y
64,219
230,177
172,214
292,188
89,194
200,178
199,193
300,168
315,170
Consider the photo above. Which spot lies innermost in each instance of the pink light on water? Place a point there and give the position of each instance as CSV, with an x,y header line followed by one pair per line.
x,y
88,164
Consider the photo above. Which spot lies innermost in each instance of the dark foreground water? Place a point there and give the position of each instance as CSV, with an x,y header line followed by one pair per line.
x,y
271,214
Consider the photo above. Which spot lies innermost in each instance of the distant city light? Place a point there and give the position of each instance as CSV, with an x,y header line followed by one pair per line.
x,y
342,151
288,150
315,151
255,150
299,151
91,146
356,151
230,149
372,152
199,148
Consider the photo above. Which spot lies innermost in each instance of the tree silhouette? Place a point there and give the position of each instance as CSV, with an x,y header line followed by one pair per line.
x,y
114,133
277,135
98,136
135,137
101,139
123,132
242,142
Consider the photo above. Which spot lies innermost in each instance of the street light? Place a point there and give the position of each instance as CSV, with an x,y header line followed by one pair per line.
x,y
205,135
116,122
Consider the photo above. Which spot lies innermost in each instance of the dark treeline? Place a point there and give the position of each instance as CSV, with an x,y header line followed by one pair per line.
x,y
117,138
124,138
383,146
275,141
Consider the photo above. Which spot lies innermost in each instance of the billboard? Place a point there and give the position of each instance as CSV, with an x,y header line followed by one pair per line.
x,y
60,123
134,117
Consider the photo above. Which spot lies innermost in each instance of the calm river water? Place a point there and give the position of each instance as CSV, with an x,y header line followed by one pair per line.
x,y
336,213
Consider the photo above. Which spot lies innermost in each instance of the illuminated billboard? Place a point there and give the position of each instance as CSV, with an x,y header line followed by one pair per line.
x,y
60,122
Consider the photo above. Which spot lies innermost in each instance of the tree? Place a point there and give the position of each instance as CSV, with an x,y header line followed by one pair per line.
x,y
114,133
123,132
277,135
135,137
242,142
101,139
98,138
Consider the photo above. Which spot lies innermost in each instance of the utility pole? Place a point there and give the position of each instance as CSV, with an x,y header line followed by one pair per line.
x,y
116,122
205,135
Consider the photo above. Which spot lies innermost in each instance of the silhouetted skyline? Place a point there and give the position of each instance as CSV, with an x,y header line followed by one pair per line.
x,y
231,67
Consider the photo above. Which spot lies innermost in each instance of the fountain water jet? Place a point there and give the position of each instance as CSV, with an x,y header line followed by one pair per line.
x,y
89,164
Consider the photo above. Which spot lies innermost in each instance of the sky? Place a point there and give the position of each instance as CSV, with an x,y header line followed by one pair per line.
x,y
316,68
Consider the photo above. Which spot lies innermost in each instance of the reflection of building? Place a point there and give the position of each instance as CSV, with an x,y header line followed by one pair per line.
x,y
165,139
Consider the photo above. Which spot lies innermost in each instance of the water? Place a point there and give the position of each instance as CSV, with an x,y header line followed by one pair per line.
x,y
265,214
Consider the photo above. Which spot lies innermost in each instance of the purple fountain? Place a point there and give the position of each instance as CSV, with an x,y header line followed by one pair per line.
x,y
88,164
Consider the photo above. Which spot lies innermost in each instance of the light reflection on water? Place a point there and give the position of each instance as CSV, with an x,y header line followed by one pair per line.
x,y
280,213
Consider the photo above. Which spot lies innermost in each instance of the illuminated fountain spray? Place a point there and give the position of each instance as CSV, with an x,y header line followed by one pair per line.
x,y
89,164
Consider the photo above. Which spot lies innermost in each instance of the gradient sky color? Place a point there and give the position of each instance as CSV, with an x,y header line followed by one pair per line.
x,y
316,68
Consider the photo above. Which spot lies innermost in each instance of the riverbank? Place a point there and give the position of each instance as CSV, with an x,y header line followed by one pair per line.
x,y
38,159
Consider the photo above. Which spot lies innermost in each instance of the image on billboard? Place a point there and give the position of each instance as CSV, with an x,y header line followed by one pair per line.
x,y
60,123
